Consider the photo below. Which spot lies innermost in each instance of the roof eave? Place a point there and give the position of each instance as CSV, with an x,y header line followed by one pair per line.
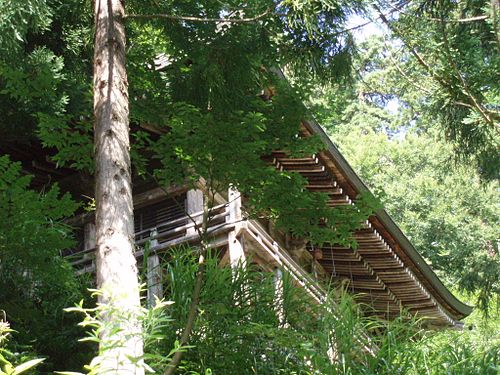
x,y
462,309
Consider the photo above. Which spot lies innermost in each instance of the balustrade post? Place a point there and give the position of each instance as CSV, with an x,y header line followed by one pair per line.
x,y
235,245
89,237
89,242
154,275
194,204
279,296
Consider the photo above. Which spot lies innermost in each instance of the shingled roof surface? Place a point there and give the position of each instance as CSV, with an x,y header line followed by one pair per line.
x,y
384,271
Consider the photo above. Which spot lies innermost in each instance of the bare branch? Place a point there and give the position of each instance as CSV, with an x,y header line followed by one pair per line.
x,y
198,19
404,75
460,20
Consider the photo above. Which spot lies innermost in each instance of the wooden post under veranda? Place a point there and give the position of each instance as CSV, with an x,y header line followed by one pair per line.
x,y
236,250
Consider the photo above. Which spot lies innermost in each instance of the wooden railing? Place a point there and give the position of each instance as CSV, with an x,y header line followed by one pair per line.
x,y
256,232
165,235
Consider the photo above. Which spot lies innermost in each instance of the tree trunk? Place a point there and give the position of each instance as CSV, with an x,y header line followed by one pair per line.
x,y
121,346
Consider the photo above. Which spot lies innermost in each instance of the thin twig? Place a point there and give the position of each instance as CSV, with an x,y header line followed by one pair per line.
x,y
195,300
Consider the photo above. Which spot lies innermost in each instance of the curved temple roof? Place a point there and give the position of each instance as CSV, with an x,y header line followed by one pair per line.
x,y
385,270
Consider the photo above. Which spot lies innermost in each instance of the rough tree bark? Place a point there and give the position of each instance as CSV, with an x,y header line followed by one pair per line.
x,y
121,346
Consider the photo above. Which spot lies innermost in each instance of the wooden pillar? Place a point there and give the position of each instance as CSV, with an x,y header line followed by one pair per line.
x,y
89,243
279,296
154,278
235,244
194,204
89,237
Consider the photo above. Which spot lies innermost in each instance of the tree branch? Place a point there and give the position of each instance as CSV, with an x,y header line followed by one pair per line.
x,y
197,19
460,20
353,28
362,24
463,104
200,273
193,313
410,81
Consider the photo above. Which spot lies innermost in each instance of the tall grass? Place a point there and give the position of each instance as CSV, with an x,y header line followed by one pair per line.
x,y
238,331
243,328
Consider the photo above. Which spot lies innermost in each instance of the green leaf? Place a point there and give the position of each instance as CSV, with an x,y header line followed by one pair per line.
x,y
27,365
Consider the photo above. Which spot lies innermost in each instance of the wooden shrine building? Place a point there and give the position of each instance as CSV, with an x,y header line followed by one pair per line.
x,y
384,271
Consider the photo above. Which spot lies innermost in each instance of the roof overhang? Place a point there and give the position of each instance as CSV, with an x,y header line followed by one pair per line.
x,y
449,307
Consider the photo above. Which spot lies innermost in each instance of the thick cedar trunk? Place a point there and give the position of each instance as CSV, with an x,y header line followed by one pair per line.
x,y
116,265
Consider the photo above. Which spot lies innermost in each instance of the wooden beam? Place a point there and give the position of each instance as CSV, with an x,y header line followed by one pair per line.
x,y
154,274
194,204
279,307
236,249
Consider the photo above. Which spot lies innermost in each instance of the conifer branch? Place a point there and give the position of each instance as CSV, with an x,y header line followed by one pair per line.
x,y
412,50
466,89
445,84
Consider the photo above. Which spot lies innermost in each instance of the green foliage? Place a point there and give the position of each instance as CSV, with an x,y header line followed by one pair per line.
x,y
35,282
205,102
474,350
17,18
30,220
46,76
153,320
232,155
213,124
29,87
237,329
214,68
446,212
8,359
